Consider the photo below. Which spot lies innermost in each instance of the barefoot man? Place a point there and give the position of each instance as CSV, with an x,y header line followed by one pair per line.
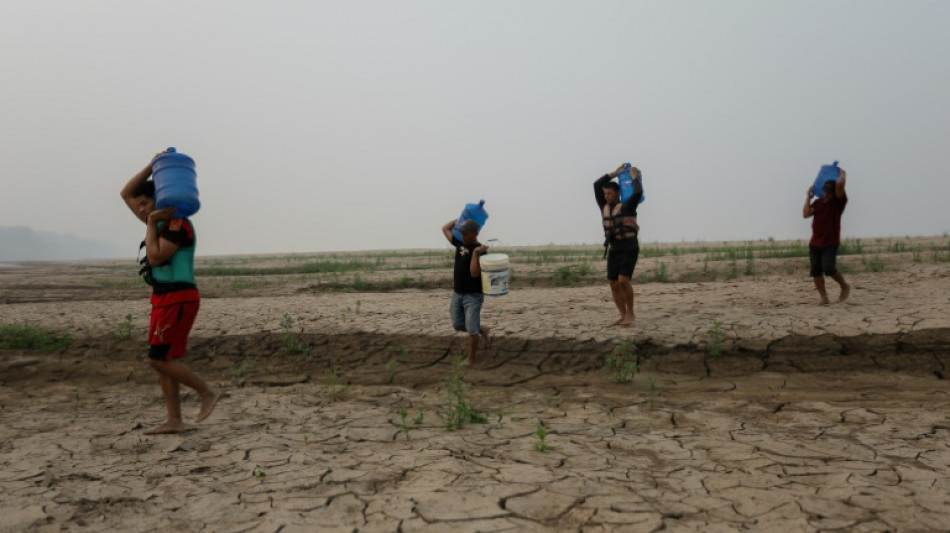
x,y
467,297
169,268
826,235
620,238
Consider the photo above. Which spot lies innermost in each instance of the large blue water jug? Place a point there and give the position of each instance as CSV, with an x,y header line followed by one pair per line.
x,y
474,212
827,173
175,183
626,184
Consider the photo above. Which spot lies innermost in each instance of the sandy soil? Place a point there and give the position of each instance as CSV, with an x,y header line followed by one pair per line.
x,y
812,419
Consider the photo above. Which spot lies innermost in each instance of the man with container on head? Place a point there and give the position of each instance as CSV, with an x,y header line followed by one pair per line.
x,y
467,296
826,234
169,268
620,237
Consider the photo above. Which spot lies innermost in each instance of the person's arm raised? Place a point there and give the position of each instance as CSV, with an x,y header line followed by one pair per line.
x,y
128,192
809,209
447,229
839,185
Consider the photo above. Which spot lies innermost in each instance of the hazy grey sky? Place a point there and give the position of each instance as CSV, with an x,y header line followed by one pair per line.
x,y
368,124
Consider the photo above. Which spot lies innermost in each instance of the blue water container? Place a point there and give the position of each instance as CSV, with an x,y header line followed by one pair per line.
x,y
474,212
827,173
626,184
175,183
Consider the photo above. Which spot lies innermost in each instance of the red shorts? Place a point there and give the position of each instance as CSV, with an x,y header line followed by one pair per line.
x,y
173,315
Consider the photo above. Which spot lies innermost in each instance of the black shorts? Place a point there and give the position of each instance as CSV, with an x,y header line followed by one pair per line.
x,y
823,260
621,260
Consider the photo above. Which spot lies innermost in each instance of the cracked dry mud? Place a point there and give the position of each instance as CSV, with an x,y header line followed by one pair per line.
x,y
813,420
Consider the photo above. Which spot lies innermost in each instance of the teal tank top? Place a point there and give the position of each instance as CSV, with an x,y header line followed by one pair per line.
x,y
179,271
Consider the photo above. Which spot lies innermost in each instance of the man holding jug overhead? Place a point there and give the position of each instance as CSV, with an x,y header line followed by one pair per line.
x,y
826,234
169,268
620,237
467,297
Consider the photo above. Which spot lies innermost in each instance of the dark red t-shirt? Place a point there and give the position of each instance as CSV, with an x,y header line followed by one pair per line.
x,y
826,223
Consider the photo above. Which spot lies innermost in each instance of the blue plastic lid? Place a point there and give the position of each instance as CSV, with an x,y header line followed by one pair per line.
x,y
173,157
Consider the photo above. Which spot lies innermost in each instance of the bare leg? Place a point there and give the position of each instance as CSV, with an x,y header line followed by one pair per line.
x,y
616,291
170,391
820,285
184,375
626,289
472,349
485,333
845,288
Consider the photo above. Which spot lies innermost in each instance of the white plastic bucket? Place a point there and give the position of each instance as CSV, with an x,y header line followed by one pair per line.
x,y
494,274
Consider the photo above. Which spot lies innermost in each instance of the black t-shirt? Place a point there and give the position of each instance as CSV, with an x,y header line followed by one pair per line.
x,y
463,282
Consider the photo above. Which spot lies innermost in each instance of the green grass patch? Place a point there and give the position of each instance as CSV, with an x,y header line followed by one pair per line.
x,y
27,336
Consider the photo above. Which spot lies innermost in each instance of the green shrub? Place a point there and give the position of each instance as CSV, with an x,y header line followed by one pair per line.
x,y
27,336
622,363
565,276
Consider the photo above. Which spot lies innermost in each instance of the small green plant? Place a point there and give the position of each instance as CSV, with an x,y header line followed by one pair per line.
x,y
583,269
27,336
291,343
420,415
660,274
716,338
260,475
239,371
565,276
622,362
651,391
391,365
750,267
542,434
336,390
733,269
876,264
357,308
918,255
458,412
124,330
401,352
77,395
403,424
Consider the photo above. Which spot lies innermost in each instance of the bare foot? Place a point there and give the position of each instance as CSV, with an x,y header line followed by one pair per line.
x,y
207,405
845,292
824,301
626,322
485,337
619,321
167,428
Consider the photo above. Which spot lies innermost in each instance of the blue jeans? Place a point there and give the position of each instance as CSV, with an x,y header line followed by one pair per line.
x,y
466,311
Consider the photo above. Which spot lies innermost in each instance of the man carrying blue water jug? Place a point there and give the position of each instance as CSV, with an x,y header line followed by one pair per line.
x,y
826,234
467,296
169,268
622,247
